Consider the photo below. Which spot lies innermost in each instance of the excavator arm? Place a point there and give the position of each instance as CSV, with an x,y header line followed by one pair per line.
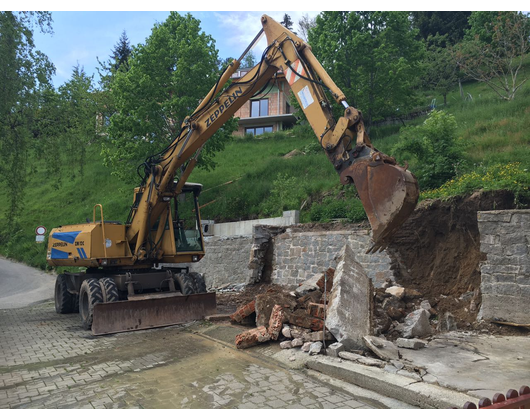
x,y
388,192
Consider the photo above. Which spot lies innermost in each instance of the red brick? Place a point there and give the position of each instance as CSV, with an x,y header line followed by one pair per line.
x,y
330,273
244,311
276,322
301,319
252,337
316,310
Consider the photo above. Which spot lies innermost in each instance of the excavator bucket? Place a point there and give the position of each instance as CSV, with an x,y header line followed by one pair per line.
x,y
151,311
388,192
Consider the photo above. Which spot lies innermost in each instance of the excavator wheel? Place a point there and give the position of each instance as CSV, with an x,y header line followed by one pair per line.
x,y
185,283
109,289
89,294
198,280
65,302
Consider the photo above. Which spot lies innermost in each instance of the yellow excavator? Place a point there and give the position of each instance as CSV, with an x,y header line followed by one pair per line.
x,y
133,279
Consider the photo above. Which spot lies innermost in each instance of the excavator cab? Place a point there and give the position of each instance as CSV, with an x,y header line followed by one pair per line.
x,y
187,225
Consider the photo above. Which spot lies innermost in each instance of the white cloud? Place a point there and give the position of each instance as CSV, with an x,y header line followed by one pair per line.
x,y
242,27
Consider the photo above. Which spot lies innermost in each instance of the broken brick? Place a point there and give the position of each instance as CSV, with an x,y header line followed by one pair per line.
x,y
252,337
266,301
311,297
303,320
316,310
326,278
276,322
243,312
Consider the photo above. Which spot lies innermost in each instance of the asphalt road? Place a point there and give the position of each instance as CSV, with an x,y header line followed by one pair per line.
x,y
21,286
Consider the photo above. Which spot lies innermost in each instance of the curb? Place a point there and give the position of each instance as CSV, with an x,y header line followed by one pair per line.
x,y
391,385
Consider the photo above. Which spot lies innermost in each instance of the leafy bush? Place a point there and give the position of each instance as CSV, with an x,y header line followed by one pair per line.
x,y
285,194
510,177
331,208
433,149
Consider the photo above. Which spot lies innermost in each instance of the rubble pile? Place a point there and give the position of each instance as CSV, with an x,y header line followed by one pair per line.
x,y
403,312
342,306
294,318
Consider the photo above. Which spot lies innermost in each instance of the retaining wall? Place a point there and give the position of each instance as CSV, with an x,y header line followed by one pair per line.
x,y
296,256
226,260
505,274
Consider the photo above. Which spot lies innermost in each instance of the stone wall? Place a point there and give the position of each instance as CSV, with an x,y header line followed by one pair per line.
x,y
505,274
226,261
296,256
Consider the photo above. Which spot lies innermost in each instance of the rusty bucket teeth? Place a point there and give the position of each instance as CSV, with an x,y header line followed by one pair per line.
x,y
389,194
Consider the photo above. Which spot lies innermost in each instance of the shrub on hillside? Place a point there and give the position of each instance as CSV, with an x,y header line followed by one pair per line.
x,y
432,149
331,208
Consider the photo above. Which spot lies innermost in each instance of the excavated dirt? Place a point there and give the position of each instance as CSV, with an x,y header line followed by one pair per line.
x,y
436,252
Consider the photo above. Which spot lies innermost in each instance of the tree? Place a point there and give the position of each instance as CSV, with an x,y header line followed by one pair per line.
x,y
373,56
167,78
249,60
121,52
287,22
305,23
452,24
495,50
64,124
24,72
440,66
118,61
78,104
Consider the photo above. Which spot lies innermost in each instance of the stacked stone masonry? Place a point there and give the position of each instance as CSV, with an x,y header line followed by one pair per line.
x,y
297,256
226,261
505,274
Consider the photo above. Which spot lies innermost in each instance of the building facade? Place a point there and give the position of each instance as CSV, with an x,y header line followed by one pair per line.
x,y
268,112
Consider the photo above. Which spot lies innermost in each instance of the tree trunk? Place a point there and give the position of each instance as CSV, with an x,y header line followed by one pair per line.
x,y
461,90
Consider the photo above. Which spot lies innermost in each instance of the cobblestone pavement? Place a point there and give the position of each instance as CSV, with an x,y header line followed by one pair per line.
x,y
48,361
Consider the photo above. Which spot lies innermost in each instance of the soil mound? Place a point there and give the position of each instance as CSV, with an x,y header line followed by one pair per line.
x,y
437,250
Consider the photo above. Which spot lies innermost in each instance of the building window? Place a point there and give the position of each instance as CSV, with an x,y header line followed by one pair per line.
x,y
256,131
259,108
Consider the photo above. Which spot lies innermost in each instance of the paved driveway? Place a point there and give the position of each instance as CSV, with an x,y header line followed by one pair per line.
x,y
47,360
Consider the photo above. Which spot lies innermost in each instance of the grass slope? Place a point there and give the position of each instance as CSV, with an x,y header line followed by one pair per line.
x,y
265,182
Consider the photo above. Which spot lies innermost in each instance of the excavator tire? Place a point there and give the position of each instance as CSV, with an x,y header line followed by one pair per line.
x,y
65,302
109,289
185,283
198,280
89,294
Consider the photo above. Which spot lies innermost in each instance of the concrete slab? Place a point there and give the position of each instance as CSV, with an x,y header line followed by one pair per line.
x,y
479,365
455,367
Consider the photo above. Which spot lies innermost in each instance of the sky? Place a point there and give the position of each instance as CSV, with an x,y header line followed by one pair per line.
x,y
81,37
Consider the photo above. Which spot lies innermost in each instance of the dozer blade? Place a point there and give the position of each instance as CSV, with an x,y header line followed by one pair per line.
x,y
389,194
151,312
